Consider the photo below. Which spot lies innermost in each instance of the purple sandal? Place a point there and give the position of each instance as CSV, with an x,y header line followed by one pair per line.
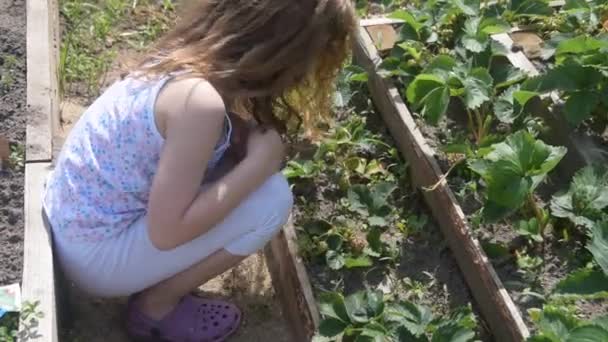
x,y
194,319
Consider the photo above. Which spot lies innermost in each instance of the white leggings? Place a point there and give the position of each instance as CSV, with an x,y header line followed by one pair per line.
x,y
129,262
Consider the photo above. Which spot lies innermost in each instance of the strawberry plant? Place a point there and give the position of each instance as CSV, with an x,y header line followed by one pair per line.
x,y
586,199
511,172
581,76
479,89
555,324
367,316
578,17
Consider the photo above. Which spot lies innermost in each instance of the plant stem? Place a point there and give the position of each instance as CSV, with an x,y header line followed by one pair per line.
x,y
479,125
471,124
539,218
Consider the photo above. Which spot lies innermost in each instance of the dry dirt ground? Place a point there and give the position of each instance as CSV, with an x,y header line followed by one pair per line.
x,y
92,320
12,128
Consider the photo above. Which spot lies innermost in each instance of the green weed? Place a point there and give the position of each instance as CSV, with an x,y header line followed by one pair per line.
x,y
8,63
17,156
94,33
10,331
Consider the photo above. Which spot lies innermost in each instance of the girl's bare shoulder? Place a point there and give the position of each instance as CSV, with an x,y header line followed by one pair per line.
x,y
190,99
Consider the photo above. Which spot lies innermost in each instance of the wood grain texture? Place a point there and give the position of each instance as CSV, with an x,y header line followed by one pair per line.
x,y
292,284
494,302
38,283
42,90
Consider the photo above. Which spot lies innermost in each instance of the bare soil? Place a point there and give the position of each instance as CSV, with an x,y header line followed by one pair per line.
x,y
12,127
249,285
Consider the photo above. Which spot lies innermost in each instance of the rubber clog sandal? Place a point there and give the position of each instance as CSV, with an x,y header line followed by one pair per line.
x,y
194,319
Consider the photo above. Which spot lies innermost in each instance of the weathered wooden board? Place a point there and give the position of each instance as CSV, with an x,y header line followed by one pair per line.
x,y
292,284
493,301
38,283
42,91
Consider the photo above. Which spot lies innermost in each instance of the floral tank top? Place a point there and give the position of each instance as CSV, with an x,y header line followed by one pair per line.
x,y
102,178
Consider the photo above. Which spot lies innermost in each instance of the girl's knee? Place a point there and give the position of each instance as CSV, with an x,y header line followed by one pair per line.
x,y
278,200
271,204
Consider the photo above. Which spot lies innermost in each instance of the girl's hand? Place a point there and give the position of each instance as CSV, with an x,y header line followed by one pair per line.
x,y
265,147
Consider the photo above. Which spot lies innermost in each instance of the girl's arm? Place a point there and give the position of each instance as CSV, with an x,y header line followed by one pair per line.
x,y
178,210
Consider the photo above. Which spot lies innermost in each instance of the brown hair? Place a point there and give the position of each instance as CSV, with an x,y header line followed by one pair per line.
x,y
275,58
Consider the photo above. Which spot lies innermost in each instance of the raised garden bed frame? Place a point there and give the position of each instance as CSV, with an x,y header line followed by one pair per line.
x,y
39,273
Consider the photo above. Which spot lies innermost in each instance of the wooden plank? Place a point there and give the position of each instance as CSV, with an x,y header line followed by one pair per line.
x,y
42,94
384,36
379,21
38,282
493,301
292,284
561,132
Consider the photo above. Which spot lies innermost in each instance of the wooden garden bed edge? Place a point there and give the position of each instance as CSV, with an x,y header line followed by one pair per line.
x,y
39,278
493,301
42,79
292,285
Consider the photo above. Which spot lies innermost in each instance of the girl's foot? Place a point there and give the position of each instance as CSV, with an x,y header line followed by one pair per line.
x,y
194,319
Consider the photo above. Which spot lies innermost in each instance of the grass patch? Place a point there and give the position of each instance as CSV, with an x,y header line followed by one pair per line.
x,y
95,31
8,64
9,325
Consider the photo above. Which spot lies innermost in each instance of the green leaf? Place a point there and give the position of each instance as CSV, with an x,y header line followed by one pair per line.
x,y
588,333
375,302
453,333
511,103
564,78
530,229
579,45
580,105
356,308
556,324
583,282
360,261
414,317
331,304
473,39
601,321
363,306
408,18
495,250
404,335
372,332
586,198
505,75
430,94
527,8
494,25
513,169
331,327
440,66
599,244
468,7
335,260
477,87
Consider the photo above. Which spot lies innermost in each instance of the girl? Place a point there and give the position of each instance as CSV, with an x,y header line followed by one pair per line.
x,y
125,202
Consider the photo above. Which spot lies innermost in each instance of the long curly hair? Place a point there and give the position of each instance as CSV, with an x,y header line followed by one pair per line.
x,y
275,59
